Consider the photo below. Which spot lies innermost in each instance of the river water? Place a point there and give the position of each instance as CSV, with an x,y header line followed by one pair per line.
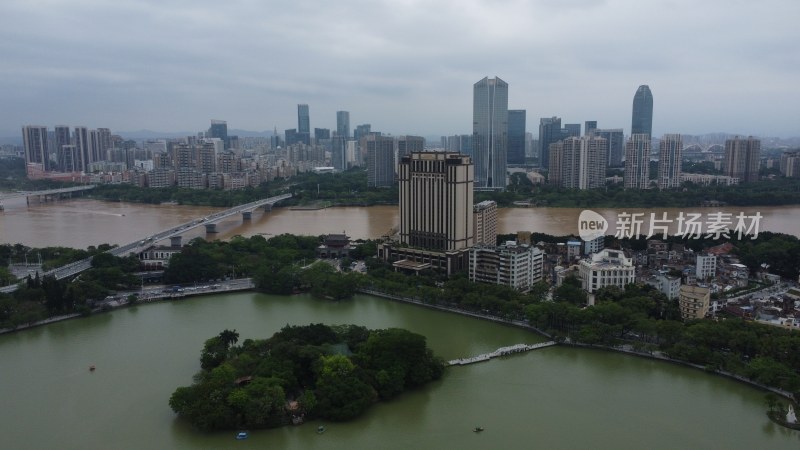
x,y
81,222
551,398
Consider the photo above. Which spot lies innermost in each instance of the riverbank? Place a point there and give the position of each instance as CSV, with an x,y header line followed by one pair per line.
x,y
240,284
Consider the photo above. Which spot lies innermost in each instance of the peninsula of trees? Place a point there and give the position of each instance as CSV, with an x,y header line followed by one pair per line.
x,y
301,373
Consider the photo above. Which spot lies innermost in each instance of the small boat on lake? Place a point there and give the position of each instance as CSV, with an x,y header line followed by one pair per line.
x,y
91,368
320,429
242,435
477,429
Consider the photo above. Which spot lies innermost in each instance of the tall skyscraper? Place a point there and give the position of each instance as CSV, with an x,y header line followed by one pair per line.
x,y
669,161
219,129
34,139
743,159
339,152
637,162
343,124
436,201
490,132
361,131
589,127
616,144
380,160
642,117
549,133
303,124
321,134
578,162
516,136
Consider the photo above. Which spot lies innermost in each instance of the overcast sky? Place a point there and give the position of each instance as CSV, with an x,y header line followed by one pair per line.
x,y
405,66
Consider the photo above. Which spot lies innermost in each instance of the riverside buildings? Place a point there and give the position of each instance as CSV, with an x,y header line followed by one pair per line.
x,y
669,161
579,162
637,162
436,213
485,223
742,159
490,132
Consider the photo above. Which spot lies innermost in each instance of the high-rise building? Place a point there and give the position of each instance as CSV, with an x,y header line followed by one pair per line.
x,y
694,302
790,164
80,138
642,116
549,133
380,160
361,131
343,124
321,134
436,201
303,124
571,130
589,126
516,136
407,145
485,223
669,161
742,159
616,144
219,129
490,132
34,140
207,157
339,152
637,162
578,162
62,138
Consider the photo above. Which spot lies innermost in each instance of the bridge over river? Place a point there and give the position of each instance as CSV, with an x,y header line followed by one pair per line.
x,y
46,194
209,222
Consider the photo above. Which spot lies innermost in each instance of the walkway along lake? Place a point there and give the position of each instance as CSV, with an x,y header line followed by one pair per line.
x,y
535,399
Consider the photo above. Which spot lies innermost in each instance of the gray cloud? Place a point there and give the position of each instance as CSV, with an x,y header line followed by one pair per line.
x,y
404,66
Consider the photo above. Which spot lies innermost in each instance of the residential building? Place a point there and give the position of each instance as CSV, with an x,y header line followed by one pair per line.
x,y
642,114
705,267
742,159
669,161
80,138
693,301
510,264
34,140
606,268
637,162
595,245
380,160
666,284
616,144
516,136
706,179
339,152
490,132
549,133
579,162
485,223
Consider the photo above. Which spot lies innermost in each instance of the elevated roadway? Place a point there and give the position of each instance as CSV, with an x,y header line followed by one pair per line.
x,y
209,222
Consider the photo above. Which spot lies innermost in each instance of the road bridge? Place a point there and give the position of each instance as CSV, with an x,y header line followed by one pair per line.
x,y
46,194
209,222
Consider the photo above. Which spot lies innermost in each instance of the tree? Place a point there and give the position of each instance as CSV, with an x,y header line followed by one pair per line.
x,y
340,393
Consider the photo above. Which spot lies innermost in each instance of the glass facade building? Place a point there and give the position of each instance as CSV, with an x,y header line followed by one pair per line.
x,y
642,117
490,132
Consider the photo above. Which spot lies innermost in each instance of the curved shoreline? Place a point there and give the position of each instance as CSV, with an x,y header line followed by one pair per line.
x,y
627,351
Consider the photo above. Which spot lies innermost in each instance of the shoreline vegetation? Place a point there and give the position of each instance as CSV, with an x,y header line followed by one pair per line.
x,y
302,373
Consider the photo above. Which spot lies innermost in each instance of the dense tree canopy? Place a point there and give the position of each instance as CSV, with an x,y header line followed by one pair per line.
x,y
334,373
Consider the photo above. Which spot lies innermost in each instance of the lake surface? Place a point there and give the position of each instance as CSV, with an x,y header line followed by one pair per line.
x,y
81,222
550,398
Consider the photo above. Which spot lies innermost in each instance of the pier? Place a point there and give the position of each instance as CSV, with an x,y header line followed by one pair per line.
x,y
502,351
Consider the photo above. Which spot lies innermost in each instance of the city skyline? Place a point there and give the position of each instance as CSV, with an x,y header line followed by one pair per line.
x,y
251,64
